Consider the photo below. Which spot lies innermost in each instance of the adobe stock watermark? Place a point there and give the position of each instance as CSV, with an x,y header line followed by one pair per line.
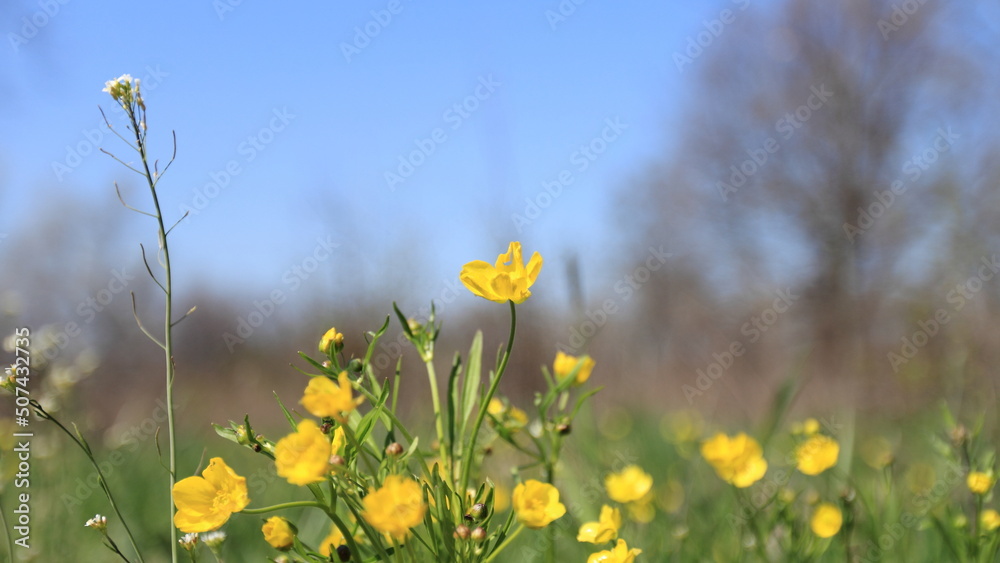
x,y
900,15
763,494
753,330
912,170
455,116
292,279
248,150
895,532
57,340
785,127
224,7
958,297
625,288
580,160
365,33
92,138
562,12
389,349
130,440
32,25
714,27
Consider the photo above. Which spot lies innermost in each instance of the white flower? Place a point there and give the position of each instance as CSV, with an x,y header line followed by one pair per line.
x,y
188,541
213,539
98,522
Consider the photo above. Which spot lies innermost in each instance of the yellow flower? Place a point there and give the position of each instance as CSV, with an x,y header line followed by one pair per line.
x,y
339,439
826,520
303,457
509,417
565,364
331,337
278,532
979,483
629,484
509,280
206,503
323,397
990,520
332,541
396,507
738,460
604,530
817,454
537,504
620,554
876,451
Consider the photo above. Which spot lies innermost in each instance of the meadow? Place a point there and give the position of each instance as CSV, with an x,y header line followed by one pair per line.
x,y
788,355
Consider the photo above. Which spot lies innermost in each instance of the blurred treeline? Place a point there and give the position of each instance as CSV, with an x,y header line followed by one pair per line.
x,y
829,195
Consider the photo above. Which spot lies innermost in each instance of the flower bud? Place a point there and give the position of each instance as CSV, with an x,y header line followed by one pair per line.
x,y
344,553
462,532
478,511
478,535
337,460
355,365
394,449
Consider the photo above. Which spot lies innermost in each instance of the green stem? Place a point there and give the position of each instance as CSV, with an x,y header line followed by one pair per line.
x,y
168,346
100,474
438,415
285,505
470,450
503,546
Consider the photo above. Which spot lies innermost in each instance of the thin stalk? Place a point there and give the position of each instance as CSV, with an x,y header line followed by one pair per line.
x,y
284,505
168,344
100,474
438,415
471,448
503,546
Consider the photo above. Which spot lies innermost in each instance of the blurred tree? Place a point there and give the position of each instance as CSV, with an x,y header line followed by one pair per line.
x,y
832,149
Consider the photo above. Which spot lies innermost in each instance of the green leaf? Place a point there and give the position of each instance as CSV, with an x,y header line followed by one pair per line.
x,y
375,338
454,402
471,385
288,415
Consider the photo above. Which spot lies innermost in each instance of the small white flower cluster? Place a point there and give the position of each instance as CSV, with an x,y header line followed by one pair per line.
x,y
98,522
188,541
214,539
124,80
125,91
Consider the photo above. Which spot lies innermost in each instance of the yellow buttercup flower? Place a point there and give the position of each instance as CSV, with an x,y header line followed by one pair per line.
x,y
604,530
396,507
817,454
990,519
331,337
509,417
979,483
323,397
278,532
508,280
537,504
826,520
620,554
303,457
876,451
206,503
738,460
629,484
565,364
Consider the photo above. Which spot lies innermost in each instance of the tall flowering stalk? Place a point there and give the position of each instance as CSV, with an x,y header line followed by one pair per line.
x,y
126,92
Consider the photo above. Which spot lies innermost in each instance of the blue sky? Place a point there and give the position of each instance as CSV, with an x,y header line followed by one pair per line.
x,y
309,128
